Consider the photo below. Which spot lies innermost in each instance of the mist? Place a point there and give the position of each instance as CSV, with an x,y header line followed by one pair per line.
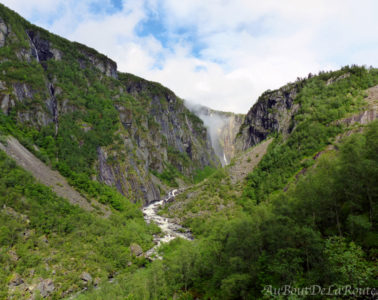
x,y
214,124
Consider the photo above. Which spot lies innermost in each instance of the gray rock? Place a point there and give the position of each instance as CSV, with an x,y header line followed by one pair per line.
x,y
16,280
334,79
13,255
3,32
43,239
46,287
136,249
104,65
5,104
40,46
97,281
85,276
57,54
273,112
22,91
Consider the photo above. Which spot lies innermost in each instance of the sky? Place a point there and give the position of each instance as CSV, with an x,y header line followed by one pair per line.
x,y
218,53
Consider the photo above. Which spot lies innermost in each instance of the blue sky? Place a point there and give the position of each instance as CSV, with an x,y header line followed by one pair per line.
x,y
220,53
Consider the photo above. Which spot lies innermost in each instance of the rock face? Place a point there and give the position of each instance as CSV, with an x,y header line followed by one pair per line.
x,y
3,32
166,133
273,112
222,128
39,46
227,136
101,63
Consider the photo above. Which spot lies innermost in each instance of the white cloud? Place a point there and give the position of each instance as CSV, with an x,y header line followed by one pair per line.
x,y
246,46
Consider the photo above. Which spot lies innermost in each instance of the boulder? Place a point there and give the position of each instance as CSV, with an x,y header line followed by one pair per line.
x,y
28,233
13,255
46,287
136,249
16,280
97,281
85,276
43,239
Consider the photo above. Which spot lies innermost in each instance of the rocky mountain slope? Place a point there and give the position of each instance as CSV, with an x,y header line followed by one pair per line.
x,y
273,112
91,122
48,177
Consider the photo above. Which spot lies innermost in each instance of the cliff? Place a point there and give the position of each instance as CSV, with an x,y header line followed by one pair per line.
x,y
273,112
89,120
222,127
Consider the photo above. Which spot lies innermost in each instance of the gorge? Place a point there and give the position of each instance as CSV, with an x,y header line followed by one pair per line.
x,y
100,168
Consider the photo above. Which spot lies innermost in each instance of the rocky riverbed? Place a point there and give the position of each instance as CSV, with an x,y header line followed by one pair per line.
x,y
170,230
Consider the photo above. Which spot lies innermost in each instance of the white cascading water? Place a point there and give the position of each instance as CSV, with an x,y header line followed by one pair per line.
x,y
225,159
169,229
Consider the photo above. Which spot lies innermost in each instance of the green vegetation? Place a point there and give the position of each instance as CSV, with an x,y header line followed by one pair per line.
x,y
44,236
169,175
203,173
321,231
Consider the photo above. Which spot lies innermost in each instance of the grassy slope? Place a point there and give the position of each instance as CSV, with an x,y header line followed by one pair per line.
x,y
77,240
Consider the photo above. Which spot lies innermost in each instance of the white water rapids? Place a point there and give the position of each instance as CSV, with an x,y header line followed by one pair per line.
x,y
169,229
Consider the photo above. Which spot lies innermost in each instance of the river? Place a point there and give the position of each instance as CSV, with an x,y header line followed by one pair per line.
x,y
170,230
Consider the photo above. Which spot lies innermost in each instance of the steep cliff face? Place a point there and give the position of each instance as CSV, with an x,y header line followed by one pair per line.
x,y
273,112
158,133
222,127
227,136
89,120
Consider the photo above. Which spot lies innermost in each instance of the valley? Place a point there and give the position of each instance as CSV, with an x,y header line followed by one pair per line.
x,y
114,187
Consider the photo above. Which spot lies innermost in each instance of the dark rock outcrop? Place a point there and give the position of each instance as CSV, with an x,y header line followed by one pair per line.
x,y
129,179
170,125
40,47
273,112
